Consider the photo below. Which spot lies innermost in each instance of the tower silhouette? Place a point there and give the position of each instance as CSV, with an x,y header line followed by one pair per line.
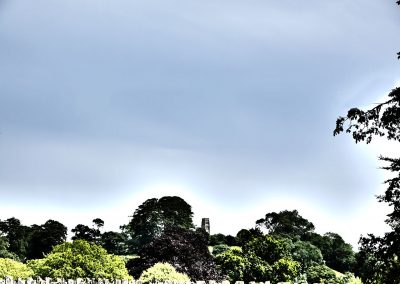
x,y
205,224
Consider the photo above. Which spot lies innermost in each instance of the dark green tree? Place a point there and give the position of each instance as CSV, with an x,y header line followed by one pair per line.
x,y
83,232
383,120
231,240
4,252
156,215
98,223
337,254
306,254
269,248
245,235
17,236
217,239
114,242
44,237
92,235
286,223
368,267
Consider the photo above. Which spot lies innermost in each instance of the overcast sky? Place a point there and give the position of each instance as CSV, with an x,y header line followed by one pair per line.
x,y
229,104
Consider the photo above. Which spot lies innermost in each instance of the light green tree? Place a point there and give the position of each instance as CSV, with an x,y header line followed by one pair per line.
x,y
232,263
15,269
161,272
79,259
285,270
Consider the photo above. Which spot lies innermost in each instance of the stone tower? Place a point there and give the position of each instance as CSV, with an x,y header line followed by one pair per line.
x,y
205,224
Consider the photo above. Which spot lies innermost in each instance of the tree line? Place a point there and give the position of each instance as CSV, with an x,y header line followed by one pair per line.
x,y
281,246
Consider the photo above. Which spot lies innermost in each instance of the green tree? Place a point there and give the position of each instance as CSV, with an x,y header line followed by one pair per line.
x,y
17,236
320,274
306,254
98,223
156,215
338,254
285,270
257,269
43,238
244,235
286,223
233,264
15,269
231,240
83,232
269,257
4,252
269,248
368,267
217,239
218,249
79,259
114,242
161,272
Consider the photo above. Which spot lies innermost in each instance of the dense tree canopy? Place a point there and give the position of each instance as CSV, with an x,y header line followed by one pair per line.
x,y
83,232
269,248
155,215
286,223
17,236
337,254
306,254
23,242
79,259
44,237
4,249
233,264
245,235
262,258
114,242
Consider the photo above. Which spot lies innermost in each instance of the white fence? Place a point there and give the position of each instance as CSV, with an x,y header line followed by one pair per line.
x,y
10,280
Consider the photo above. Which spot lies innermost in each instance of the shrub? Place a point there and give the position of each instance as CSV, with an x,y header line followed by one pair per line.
x,y
269,248
232,264
218,249
161,272
79,259
286,270
320,274
15,269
